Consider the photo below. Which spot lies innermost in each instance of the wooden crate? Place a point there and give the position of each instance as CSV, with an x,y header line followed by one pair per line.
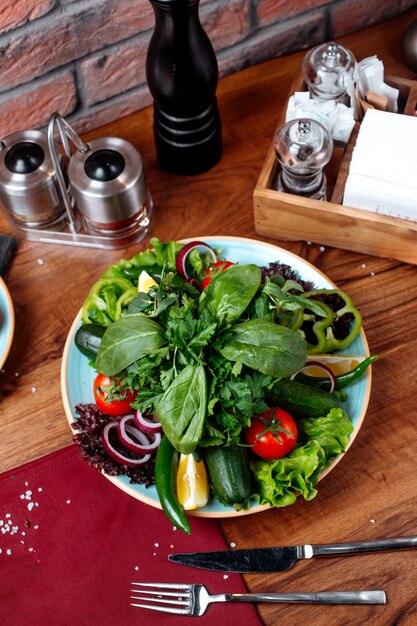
x,y
291,217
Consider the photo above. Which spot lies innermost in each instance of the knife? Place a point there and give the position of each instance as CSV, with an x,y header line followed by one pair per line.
x,y
281,559
8,247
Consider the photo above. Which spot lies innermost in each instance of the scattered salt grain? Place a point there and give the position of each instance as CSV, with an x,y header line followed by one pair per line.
x,y
156,545
8,551
36,526
137,567
22,496
171,546
1,522
322,248
68,501
30,506
232,544
21,541
23,533
16,374
36,503
154,553
40,489
225,576
372,520
28,494
309,243
372,273
174,528
7,516
30,549
1,551
34,390
40,261
26,484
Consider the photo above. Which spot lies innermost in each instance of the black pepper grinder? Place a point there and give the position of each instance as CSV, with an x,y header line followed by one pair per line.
x,y
182,75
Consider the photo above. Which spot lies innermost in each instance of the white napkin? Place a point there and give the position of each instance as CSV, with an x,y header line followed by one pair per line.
x,y
335,116
383,169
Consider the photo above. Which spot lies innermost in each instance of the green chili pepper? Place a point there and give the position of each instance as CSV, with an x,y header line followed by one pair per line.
x,y
342,380
166,467
106,299
326,329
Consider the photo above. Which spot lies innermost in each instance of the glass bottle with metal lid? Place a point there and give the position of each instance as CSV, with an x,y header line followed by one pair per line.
x,y
329,71
303,147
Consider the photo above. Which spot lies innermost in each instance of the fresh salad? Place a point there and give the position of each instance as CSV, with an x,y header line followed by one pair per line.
x,y
214,378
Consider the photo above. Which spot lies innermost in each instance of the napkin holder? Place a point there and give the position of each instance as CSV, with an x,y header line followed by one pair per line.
x,y
291,217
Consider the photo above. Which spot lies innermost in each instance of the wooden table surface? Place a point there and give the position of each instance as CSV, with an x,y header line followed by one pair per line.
x,y
372,492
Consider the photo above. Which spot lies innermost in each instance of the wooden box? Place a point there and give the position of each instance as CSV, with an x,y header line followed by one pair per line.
x,y
291,217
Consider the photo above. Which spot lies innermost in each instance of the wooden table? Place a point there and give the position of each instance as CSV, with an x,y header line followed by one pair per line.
x,y
372,492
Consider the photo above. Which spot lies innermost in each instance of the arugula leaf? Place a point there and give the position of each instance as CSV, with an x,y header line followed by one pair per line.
x,y
266,347
182,408
127,340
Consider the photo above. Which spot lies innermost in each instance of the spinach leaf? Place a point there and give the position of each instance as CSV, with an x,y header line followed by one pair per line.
x,y
230,293
126,340
266,347
182,408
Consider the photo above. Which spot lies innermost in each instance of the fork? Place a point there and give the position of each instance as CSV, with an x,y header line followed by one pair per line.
x,y
193,599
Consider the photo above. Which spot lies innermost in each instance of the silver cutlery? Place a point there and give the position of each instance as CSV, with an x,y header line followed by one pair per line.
x,y
282,558
193,599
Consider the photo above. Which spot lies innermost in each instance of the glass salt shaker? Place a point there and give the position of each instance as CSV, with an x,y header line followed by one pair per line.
x,y
303,147
329,71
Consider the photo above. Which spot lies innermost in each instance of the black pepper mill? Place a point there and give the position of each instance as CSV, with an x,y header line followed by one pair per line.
x,y
182,76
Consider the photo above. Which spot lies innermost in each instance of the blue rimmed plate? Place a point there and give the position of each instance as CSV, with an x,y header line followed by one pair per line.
x,y
6,322
77,376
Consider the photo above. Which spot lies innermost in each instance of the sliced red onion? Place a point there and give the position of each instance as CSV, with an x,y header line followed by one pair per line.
x,y
146,424
115,454
185,251
135,439
324,368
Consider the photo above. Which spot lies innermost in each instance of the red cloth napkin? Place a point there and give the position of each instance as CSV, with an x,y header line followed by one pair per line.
x,y
71,543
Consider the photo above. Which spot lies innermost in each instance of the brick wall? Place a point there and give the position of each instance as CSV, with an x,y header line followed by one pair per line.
x,y
86,58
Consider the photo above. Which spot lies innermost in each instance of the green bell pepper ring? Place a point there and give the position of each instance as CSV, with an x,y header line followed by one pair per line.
x,y
319,328
346,312
106,299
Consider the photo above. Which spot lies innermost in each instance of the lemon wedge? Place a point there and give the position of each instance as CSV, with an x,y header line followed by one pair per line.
x,y
145,282
337,363
192,483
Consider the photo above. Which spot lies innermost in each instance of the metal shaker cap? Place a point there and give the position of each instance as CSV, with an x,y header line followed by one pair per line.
x,y
327,70
25,163
108,180
28,189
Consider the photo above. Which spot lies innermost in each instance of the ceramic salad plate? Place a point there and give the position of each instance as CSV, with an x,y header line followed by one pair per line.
x,y
6,322
77,376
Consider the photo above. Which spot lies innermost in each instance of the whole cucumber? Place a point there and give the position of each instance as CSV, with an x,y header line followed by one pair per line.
x,y
303,401
230,475
88,339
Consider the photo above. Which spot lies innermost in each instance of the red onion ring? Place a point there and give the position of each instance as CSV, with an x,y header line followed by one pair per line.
x,y
185,251
323,368
115,454
126,431
146,424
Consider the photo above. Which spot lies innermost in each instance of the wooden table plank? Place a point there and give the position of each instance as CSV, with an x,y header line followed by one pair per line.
x,y
372,492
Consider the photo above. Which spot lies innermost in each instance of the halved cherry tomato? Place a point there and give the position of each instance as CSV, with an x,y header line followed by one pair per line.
x,y
118,405
272,434
212,272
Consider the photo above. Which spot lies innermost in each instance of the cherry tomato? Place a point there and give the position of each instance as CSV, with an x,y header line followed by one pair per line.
x,y
119,405
213,271
272,435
